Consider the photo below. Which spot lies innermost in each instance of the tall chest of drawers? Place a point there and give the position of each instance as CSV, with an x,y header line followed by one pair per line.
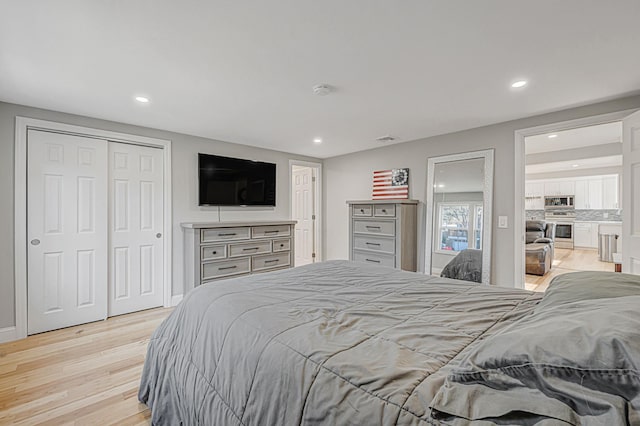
x,y
384,232
213,251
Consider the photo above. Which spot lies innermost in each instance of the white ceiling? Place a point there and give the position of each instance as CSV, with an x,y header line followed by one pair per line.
x,y
242,71
575,138
582,164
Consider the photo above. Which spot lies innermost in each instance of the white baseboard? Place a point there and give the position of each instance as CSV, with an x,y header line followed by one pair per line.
x,y
8,334
176,299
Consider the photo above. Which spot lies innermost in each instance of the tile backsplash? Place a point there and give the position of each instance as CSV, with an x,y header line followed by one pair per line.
x,y
586,215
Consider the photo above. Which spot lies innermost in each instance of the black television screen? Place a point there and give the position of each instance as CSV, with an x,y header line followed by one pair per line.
x,y
228,181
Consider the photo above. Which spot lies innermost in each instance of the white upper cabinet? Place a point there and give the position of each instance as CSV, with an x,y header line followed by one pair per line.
x,y
591,193
610,192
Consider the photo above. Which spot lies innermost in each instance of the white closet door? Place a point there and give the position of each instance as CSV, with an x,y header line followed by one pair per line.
x,y
136,221
631,197
66,229
303,213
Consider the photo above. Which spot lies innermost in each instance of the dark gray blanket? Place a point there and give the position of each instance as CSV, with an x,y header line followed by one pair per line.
x,y
334,343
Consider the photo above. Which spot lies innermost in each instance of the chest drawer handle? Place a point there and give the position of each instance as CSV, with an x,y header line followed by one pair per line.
x,y
227,267
250,248
372,260
272,261
214,252
372,227
271,232
228,234
372,244
361,210
384,210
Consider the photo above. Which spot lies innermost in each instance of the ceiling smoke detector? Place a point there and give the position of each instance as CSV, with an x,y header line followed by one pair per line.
x,y
322,89
386,138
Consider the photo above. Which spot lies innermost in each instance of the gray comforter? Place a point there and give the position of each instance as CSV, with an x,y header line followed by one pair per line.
x,y
334,343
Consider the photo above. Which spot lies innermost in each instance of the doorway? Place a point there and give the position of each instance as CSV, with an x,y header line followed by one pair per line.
x,y
570,175
93,225
305,179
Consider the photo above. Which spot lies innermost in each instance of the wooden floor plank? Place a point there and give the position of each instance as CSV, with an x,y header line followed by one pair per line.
x,y
81,375
565,261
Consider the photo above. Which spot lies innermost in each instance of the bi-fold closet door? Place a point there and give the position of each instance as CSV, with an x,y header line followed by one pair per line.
x,y
94,223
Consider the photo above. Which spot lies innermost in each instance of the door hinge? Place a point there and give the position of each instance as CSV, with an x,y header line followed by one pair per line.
x,y
313,179
313,255
313,217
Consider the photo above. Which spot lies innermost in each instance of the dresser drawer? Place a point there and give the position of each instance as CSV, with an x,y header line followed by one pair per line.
x,y
382,245
362,210
374,227
259,263
225,268
246,249
384,210
213,252
374,258
271,231
225,234
282,245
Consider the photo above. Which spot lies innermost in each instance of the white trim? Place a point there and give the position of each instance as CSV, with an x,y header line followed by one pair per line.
x,y
7,334
176,299
317,202
23,124
487,221
519,177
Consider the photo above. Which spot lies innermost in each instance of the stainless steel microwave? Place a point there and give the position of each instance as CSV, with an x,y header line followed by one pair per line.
x,y
559,202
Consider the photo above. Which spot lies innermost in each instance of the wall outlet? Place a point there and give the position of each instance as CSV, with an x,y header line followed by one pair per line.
x,y
502,222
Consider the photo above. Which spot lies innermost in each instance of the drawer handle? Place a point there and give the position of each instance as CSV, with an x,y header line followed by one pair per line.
x,y
372,227
384,210
281,245
372,260
250,248
271,232
272,261
214,252
227,267
228,234
361,210
372,244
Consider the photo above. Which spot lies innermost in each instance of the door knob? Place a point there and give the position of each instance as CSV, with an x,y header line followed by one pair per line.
x,y
35,242
158,235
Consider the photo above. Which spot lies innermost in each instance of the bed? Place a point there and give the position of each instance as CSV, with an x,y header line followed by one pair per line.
x,y
344,343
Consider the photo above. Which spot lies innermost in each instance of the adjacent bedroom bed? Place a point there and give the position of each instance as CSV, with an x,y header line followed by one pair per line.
x,y
345,343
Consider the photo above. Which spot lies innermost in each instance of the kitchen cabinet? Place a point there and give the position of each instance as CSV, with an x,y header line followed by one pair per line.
x,y
559,187
610,192
585,234
589,193
534,195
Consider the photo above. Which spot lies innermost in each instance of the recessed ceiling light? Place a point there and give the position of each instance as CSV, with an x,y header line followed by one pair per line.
x,y
142,99
552,136
518,84
575,165
317,140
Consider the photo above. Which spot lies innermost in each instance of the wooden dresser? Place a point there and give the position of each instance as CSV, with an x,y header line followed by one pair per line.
x,y
384,232
217,250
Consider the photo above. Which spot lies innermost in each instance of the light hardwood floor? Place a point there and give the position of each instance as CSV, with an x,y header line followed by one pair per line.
x,y
565,261
83,375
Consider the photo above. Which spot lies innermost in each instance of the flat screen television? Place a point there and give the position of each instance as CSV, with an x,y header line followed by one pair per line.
x,y
226,181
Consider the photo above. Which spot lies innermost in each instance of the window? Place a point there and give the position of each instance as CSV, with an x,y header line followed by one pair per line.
x,y
458,222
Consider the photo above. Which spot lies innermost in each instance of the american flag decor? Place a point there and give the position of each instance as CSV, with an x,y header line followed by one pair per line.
x,y
391,184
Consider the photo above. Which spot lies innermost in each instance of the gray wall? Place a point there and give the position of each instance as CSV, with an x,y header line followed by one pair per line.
x,y
348,177
184,187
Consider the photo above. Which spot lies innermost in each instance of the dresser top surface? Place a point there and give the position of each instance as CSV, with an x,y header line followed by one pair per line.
x,y
200,225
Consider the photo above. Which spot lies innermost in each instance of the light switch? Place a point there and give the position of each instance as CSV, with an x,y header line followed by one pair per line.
x,y
502,222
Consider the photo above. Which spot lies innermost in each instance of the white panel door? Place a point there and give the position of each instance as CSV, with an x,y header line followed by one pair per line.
x,y
631,198
136,222
66,230
303,212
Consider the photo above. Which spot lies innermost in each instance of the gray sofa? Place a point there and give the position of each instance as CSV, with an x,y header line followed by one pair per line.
x,y
539,240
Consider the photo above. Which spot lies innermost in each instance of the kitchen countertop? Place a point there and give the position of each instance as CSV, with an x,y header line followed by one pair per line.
x,y
602,222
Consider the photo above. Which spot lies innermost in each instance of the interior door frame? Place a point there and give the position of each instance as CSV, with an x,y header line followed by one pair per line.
x,y
317,232
519,177
23,125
